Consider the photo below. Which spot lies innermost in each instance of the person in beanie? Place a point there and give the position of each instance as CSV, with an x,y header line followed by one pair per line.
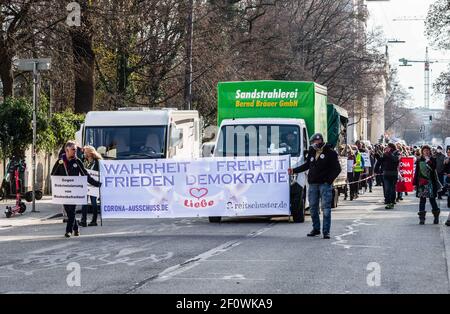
x,y
324,167
426,183
68,164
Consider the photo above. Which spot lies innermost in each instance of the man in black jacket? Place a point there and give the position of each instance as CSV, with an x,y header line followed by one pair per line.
x,y
324,167
69,165
389,164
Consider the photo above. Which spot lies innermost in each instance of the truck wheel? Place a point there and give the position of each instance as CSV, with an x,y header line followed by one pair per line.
x,y
335,199
215,219
298,203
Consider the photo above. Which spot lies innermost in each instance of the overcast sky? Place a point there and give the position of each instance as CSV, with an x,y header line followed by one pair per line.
x,y
382,14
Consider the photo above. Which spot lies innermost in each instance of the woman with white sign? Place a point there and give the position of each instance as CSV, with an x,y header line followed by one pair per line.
x,y
69,165
91,163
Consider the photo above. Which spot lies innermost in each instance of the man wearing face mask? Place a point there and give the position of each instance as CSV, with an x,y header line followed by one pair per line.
x,y
440,159
323,165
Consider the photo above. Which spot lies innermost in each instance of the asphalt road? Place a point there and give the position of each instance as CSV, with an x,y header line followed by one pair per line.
x,y
372,250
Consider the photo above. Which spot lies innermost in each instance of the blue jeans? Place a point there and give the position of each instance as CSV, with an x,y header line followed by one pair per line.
x,y
322,192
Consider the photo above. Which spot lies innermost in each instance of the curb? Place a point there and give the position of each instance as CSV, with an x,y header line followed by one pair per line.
x,y
53,216
446,241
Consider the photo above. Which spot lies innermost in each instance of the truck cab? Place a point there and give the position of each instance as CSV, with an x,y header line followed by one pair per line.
x,y
263,118
265,137
142,133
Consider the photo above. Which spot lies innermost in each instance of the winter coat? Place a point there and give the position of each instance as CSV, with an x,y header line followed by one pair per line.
x,y
389,163
73,167
323,169
440,158
426,187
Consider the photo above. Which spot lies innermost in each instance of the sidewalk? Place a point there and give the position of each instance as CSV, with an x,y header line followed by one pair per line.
x,y
46,210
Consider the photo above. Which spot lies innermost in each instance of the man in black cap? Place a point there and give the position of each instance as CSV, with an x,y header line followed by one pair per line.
x,y
324,167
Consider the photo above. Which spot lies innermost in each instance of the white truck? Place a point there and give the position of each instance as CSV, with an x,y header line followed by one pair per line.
x,y
264,118
142,133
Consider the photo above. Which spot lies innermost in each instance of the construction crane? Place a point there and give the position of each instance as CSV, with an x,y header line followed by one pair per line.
x,y
427,62
409,18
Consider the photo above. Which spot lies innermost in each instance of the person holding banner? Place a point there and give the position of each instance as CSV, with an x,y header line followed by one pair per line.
x,y
92,158
427,184
324,167
68,164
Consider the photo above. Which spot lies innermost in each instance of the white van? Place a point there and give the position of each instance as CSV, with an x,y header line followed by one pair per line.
x,y
142,133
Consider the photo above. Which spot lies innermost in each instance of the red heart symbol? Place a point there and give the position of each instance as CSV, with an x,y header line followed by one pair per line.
x,y
198,193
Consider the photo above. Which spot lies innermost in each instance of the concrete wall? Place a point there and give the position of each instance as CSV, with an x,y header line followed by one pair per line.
x,y
44,165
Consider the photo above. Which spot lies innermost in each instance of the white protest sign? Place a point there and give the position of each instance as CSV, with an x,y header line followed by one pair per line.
x,y
366,157
70,190
350,164
200,188
92,190
342,178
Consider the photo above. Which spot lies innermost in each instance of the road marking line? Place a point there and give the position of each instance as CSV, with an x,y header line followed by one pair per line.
x,y
224,279
178,269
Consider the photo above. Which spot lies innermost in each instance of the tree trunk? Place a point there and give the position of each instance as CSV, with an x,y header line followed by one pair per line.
x,y
188,56
84,59
122,77
6,75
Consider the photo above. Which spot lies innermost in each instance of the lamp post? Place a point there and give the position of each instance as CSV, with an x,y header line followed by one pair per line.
x,y
34,65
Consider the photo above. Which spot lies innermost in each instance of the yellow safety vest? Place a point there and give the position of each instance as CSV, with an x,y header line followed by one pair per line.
x,y
358,167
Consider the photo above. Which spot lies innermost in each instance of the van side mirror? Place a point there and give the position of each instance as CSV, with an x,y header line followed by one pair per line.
x,y
176,136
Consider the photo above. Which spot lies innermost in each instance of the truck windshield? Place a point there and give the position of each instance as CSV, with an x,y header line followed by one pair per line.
x,y
130,142
258,140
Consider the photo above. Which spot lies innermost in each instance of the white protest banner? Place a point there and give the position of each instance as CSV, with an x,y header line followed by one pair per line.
x,y
366,157
342,178
200,188
69,190
92,190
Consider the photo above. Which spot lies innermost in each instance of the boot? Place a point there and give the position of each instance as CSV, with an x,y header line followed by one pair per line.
x,y
422,217
436,214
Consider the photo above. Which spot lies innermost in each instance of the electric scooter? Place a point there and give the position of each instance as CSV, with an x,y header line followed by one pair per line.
x,y
20,206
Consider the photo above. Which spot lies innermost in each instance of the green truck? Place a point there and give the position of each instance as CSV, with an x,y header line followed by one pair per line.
x,y
263,118
337,136
337,125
